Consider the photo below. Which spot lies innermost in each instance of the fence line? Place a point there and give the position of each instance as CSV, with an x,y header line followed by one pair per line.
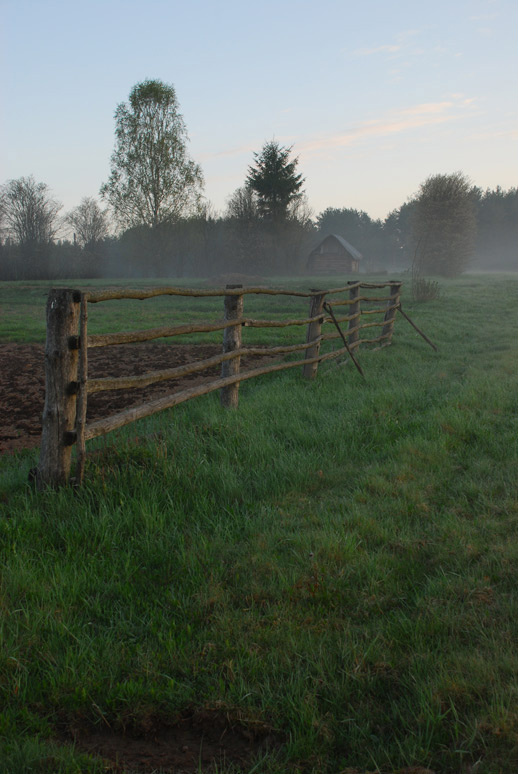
x,y
68,341
95,296
153,377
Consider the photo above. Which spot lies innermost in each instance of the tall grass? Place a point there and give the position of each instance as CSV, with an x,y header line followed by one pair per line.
x,y
336,559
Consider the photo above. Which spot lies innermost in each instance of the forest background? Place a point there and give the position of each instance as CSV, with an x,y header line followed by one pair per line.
x,y
208,244
157,222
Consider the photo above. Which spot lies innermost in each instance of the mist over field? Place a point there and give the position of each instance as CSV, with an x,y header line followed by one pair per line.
x,y
211,245
154,221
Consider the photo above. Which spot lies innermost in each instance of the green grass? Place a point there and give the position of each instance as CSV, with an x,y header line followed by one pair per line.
x,y
23,310
336,559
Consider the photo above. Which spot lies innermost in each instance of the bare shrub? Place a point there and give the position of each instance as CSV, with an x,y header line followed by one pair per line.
x,y
424,289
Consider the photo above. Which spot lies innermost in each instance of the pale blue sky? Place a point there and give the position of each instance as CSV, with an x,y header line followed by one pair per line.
x,y
374,96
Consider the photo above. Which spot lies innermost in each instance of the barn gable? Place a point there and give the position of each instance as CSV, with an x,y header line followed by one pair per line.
x,y
334,255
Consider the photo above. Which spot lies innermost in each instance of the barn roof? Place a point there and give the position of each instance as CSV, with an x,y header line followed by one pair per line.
x,y
345,244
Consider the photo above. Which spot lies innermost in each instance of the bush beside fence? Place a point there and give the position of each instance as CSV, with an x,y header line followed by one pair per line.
x,y
67,344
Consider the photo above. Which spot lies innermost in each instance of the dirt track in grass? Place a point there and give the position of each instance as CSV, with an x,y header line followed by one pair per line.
x,y
201,741
22,383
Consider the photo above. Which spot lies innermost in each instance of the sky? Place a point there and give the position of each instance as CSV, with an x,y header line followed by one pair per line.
x,y
372,96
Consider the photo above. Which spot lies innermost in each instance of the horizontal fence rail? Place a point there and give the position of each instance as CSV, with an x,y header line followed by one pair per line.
x,y
68,341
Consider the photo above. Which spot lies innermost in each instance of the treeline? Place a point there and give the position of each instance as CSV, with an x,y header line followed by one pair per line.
x,y
165,228
392,243
496,245
202,246
209,245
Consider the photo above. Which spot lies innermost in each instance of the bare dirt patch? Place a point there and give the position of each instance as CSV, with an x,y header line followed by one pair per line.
x,y
22,383
202,741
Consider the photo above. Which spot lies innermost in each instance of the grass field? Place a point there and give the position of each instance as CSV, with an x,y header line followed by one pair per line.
x,y
22,315
336,561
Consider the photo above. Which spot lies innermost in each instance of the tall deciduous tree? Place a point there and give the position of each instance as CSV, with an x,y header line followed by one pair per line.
x,y
153,180
444,224
89,222
28,214
274,179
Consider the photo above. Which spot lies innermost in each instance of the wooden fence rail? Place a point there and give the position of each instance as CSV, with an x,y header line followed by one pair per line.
x,y
66,356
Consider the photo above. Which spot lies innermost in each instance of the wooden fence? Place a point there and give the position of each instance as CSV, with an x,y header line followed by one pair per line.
x,y
68,342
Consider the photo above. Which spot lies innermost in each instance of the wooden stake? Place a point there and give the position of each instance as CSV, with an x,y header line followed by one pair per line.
x,y
59,412
355,312
83,391
231,341
392,307
347,347
314,330
420,332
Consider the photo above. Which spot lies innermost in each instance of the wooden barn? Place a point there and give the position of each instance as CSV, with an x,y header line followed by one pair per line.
x,y
334,255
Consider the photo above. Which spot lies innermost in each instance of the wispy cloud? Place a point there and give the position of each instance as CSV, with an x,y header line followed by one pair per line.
x,y
496,135
394,123
388,49
484,17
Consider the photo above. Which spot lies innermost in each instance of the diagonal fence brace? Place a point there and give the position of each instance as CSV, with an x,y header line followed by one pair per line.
x,y
328,309
420,332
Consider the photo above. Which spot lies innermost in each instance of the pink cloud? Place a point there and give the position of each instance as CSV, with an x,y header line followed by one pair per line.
x,y
404,120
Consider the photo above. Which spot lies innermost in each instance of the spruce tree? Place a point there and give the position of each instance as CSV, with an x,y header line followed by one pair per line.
x,y
274,179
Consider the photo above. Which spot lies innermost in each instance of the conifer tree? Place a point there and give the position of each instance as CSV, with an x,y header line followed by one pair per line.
x,y
274,179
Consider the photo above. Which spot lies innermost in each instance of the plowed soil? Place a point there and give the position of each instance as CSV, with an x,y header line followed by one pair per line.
x,y
22,383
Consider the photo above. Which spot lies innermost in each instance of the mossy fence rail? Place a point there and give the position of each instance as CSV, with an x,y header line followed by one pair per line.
x,y
67,344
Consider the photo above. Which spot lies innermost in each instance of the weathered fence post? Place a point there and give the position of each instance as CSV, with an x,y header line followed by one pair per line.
x,y
229,395
59,412
316,306
354,314
390,314
82,395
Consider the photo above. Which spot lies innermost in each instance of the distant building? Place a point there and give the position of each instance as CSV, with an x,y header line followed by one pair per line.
x,y
334,255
